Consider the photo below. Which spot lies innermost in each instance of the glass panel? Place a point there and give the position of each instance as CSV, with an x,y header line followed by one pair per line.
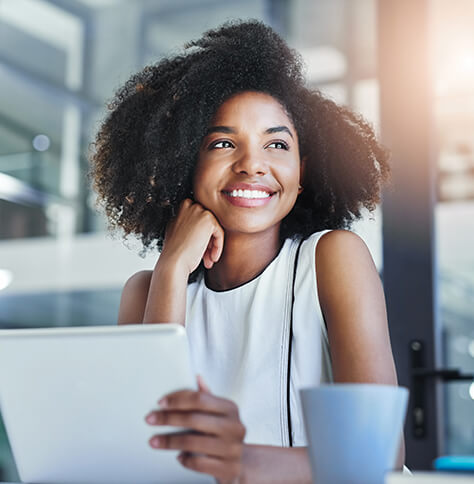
x,y
39,170
68,308
41,60
453,64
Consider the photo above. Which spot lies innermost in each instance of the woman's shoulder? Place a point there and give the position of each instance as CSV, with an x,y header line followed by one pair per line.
x,y
331,242
134,297
341,244
344,265
139,281
335,254
340,235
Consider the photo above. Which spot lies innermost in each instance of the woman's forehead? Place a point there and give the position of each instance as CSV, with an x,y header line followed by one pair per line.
x,y
256,108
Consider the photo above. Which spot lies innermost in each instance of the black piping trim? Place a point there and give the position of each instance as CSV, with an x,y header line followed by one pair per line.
x,y
288,410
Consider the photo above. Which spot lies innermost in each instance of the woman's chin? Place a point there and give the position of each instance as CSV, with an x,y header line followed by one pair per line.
x,y
248,227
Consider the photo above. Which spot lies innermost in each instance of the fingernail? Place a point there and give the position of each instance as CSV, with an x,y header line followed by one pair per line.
x,y
155,442
163,403
151,418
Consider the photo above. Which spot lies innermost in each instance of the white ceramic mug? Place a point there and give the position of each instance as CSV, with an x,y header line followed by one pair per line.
x,y
353,431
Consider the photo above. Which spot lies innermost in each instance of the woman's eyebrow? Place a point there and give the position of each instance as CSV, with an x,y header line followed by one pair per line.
x,y
230,130
221,129
278,129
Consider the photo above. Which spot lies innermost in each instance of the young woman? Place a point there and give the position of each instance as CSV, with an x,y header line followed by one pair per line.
x,y
246,181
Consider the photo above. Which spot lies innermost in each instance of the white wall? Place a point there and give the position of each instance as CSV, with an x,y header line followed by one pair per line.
x,y
83,262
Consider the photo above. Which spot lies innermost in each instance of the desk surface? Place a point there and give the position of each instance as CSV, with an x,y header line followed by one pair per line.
x,y
416,478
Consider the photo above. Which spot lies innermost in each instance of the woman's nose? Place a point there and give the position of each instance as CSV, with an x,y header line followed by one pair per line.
x,y
250,164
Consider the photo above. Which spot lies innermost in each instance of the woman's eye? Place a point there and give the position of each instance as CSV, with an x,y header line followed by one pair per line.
x,y
279,145
221,144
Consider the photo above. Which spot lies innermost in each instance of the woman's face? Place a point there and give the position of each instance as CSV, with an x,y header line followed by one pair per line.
x,y
248,171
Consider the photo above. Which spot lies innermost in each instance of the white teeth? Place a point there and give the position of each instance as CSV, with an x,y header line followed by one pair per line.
x,y
249,194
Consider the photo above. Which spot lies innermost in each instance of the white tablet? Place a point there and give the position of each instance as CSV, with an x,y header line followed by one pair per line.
x,y
74,401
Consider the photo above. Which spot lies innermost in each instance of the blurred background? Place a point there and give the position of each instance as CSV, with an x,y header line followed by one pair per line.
x,y
61,60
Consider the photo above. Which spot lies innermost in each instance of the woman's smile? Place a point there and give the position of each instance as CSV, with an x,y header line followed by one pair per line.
x,y
248,195
248,199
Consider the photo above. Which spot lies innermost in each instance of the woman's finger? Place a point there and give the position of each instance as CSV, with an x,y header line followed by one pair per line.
x,y
193,442
215,246
198,401
200,422
208,262
207,257
217,243
202,385
219,468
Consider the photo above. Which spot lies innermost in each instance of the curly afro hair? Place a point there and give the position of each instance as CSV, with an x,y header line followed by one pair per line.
x,y
146,150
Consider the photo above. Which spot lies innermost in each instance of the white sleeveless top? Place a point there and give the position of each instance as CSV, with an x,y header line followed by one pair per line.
x,y
239,343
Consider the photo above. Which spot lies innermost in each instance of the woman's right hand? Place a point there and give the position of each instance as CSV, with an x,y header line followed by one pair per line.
x,y
193,235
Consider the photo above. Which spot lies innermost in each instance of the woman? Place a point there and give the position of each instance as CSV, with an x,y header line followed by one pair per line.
x,y
246,181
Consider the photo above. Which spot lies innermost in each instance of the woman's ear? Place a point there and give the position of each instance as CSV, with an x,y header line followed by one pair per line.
x,y
302,170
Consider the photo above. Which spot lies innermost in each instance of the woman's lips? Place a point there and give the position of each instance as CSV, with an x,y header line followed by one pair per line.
x,y
247,202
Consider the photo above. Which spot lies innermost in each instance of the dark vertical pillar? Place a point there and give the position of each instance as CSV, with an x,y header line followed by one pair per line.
x,y
408,211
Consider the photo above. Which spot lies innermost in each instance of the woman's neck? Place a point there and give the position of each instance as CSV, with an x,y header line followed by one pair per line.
x,y
243,258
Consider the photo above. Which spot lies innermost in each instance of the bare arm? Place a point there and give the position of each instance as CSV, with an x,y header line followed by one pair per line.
x,y
166,302
265,464
157,296
353,302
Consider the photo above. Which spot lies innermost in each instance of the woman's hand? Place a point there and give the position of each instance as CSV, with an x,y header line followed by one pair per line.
x,y
215,447
194,234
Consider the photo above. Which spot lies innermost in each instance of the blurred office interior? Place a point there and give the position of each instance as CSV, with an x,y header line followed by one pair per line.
x,y
61,60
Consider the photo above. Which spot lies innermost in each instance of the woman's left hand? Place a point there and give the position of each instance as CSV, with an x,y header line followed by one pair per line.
x,y
215,447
